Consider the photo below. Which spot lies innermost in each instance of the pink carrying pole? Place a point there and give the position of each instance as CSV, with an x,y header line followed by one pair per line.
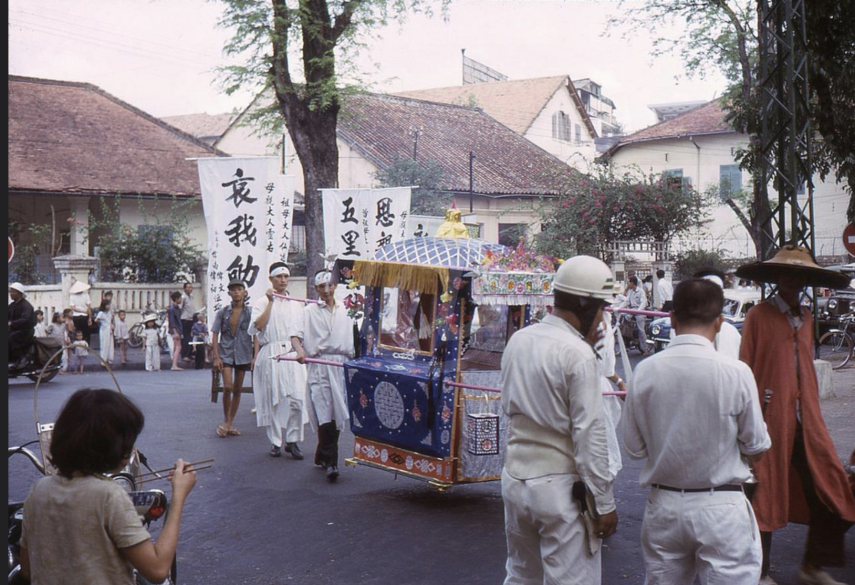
x,y
290,358
636,312
286,297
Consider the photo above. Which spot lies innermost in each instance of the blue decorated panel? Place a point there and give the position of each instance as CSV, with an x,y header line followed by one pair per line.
x,y
391,402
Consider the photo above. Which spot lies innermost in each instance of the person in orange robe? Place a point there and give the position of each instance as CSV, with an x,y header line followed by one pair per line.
x,y
801,479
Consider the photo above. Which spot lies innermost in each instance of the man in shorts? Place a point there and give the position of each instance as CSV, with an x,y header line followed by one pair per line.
x,y
234,352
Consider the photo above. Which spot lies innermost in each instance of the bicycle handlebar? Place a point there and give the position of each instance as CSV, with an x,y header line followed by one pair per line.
x,y
30,455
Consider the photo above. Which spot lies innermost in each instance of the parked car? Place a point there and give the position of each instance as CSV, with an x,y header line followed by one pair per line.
x,y
840,302
736,305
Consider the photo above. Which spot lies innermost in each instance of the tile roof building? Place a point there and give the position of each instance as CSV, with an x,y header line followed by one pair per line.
x,y
72,144
548,111
699,148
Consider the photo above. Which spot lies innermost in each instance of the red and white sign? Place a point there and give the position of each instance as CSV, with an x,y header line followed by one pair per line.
x,y
11,249
849,238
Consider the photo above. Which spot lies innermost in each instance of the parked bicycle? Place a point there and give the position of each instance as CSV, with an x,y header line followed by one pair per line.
x,y
836,345
136,333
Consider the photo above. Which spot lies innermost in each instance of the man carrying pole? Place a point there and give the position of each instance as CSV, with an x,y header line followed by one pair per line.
x,y
280,388
327,335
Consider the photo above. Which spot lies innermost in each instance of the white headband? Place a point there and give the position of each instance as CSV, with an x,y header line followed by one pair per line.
x,y
280,270
323,278
715,279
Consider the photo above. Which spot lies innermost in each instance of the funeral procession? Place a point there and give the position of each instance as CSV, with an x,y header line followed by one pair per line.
x,y
431,292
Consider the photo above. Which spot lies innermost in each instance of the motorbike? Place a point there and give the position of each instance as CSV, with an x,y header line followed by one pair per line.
x,y
39,354
151,505
628,328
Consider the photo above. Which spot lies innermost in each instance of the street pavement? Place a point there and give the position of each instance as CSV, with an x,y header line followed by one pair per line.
x,y
253,519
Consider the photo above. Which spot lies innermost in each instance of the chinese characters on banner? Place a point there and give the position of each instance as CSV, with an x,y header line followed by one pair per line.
x,y
358,222
248,208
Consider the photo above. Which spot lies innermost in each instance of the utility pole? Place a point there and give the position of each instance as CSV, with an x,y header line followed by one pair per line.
x,y
471,179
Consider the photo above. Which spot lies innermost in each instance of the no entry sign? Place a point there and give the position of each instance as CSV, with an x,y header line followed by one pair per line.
x,y
11,249
848,238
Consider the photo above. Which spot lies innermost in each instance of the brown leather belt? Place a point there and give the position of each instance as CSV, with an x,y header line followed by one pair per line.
x,y
721,488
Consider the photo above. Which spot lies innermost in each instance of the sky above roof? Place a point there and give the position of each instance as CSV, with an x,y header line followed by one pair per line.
x,y
160,55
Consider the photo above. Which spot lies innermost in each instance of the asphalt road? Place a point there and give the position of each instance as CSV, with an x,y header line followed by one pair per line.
x,y
253,519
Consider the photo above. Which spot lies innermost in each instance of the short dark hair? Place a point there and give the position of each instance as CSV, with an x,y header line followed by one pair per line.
x,y
39,312
175,295
660,273
96,429
633,280
697,301
585,308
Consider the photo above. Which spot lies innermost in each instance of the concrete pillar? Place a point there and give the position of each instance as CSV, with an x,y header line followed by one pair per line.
x,y
200,273
79,226
619,270
824,378
73,268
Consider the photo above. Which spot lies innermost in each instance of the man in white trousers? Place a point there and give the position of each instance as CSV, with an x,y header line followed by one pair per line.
x,y
694,414
280,386
557,445
327,335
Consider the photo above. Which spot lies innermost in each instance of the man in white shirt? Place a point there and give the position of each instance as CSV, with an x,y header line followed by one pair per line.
x,y
557,444
327,335
664,291
637,299
694,414
188,315
280,387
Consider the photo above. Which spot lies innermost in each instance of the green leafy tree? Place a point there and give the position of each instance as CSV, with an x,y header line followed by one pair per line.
x,y
722,35
689,262
156,251
601,207
297,48
32,241
427,199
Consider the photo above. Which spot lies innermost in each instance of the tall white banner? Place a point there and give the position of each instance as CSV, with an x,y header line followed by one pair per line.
x,y
248,208
358,222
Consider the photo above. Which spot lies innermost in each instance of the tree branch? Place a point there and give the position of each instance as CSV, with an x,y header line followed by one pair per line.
x,y
344,19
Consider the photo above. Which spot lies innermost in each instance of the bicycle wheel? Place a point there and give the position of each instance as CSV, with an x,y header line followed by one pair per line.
x,y
835,347
136,337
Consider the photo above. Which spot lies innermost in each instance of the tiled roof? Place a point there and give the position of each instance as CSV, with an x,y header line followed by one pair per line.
x,y
381,128
75,138
201,125
705,119
515,103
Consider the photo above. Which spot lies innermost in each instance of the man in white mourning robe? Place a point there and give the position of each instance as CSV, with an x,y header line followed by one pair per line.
x,y
327,335
279,386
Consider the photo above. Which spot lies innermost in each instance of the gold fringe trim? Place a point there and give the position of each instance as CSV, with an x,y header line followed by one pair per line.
x,y
400,275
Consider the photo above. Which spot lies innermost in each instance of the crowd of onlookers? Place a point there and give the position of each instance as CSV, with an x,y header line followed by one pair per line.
x,y
185,334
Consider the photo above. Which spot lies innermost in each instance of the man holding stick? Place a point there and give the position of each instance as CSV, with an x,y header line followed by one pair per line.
x,y
327,335
694,414
280,387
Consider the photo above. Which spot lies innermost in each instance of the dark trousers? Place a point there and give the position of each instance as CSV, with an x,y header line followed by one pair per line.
x,y
81,323
186,338
668,306
327,452
826,530
200,356
19,342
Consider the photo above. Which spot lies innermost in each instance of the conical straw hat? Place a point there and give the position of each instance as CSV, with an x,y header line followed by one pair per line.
x,y
795,260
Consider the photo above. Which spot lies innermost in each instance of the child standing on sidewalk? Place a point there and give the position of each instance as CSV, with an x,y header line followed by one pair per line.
x,y
68,316
80,351
200,340
122,334
152,344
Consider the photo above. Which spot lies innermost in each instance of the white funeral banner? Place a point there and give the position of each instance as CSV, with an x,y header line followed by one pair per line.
x,y
358,222
248,209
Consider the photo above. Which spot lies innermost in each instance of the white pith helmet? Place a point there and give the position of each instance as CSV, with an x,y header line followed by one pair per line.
x,y
585,276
